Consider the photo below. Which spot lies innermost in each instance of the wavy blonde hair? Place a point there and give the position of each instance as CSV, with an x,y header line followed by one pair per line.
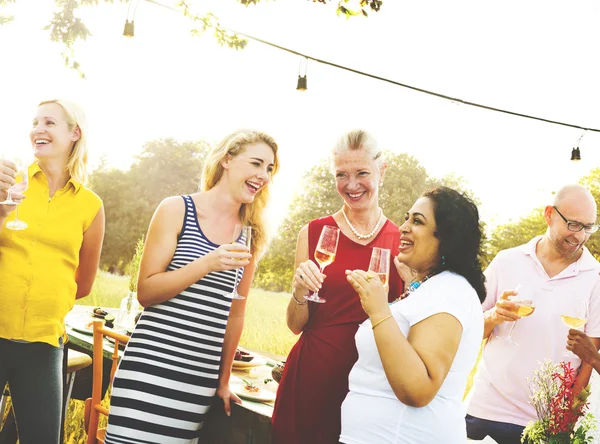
x,y
250,214
78,159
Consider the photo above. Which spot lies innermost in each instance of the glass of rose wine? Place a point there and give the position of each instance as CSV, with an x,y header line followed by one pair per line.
x,y
325,254
575,317
242,234
21,185
380,264
525,307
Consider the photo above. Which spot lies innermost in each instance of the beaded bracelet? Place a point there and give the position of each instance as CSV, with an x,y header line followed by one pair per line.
x,y
379,322
297,301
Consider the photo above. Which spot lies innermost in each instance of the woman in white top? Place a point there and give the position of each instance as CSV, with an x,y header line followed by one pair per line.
x,y
414,355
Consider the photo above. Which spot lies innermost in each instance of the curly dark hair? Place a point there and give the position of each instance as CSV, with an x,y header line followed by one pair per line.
x,y
460,235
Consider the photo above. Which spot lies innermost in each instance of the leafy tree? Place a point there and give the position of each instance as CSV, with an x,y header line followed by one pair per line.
x,y
164,168
405,180
67,28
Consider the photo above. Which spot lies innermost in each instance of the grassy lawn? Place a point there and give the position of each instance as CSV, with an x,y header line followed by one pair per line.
x,y
264,328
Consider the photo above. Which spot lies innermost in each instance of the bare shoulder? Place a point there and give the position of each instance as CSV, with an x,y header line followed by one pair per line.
x,y
170,211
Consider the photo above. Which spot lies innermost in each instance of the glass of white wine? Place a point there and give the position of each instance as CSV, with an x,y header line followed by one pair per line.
x,y
524,307
576,317
380,264
21,185
325,254
242,234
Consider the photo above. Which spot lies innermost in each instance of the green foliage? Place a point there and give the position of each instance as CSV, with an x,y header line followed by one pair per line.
x,y
66,28
133,268
4,19
517,233
405,180
164,168
592,183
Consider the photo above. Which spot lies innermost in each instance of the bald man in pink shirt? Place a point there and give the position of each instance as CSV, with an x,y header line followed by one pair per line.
x,y
559,276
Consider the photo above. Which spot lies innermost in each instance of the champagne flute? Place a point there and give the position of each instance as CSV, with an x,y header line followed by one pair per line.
x,y
242,234
575,317
525,307
325,254
21,185
380,264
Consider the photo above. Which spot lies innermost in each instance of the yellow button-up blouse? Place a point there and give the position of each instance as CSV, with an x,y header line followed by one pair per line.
x,y
38,264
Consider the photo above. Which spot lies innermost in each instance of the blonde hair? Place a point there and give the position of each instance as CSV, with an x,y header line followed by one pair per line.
x,y
355,140
78,158
250,214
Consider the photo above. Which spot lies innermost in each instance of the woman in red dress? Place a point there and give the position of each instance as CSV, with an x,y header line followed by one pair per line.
x,y
315,378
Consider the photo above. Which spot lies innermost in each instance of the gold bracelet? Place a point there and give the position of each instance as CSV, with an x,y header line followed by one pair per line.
x,y
380,321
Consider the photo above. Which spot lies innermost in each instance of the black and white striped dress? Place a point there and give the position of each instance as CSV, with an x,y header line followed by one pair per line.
x,y
168,375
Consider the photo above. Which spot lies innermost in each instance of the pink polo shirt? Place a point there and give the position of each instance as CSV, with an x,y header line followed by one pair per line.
x,y
500,391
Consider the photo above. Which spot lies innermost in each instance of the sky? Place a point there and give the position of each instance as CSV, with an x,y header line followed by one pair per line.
x,y
534,57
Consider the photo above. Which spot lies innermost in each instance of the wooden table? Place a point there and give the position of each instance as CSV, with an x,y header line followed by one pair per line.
x,y
249,423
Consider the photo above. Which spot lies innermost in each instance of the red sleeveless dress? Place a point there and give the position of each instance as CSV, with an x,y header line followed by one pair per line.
x,y
315,379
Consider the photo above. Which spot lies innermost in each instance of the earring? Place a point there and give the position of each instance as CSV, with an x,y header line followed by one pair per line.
x,y
443,260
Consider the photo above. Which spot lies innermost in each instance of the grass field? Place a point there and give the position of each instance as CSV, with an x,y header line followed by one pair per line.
x,y
265,330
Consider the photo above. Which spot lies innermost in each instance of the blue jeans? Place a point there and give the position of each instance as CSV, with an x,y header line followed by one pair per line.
x,y
501,432
34,374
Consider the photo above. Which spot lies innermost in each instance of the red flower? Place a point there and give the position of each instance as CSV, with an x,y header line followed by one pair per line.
x,y
564,411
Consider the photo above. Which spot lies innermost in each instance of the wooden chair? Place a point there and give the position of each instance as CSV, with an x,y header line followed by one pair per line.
x,y
93,408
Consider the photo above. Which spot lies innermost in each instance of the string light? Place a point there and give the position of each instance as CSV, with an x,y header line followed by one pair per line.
x,y
129,29
302,86
404,85
575,153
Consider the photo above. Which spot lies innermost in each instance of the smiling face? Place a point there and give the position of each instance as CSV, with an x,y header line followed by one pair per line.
x,y
357,178
51,137
419,247
569,244
250,171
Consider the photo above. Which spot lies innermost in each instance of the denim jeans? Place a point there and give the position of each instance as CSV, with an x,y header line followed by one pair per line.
x,y
501,432
34,374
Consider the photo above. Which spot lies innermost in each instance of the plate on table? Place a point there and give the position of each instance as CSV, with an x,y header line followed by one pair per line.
x,y
256,362
82,326
262,395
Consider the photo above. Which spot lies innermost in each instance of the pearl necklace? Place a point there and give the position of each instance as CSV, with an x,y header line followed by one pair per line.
x,y
355,231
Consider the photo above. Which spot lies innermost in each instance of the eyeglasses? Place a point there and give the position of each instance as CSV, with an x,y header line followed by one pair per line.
x,y
577,226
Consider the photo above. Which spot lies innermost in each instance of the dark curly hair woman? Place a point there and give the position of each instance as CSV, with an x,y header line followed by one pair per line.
x,y
415,355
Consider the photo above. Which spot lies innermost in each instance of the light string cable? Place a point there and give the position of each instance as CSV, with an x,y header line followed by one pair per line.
x,y
404,85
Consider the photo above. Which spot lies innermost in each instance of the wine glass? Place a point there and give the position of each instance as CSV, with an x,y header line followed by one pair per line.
x,y
575,316
22,182
242,234
380,264
525,307
325,254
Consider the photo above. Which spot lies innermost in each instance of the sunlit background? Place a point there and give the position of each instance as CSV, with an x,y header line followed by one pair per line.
x,y
535,58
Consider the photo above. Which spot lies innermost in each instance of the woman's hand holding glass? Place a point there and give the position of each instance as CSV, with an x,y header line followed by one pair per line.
x,y
308,277
228,257
13,184
373,296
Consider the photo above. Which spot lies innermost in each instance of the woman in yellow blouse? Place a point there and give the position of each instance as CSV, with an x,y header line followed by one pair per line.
x,y
46,266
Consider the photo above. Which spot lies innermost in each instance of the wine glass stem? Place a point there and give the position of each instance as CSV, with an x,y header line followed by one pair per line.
x,y
17,210
511,329
235,284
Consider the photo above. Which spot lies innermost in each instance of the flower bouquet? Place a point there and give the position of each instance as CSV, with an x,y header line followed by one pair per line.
x,y
562,417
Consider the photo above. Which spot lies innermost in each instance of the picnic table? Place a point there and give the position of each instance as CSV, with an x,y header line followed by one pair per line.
x,y
250,421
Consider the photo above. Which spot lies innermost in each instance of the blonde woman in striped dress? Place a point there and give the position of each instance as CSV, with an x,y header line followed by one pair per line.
x,y
182,349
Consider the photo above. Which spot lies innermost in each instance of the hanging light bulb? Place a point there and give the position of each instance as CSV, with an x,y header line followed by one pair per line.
x,y
302,85
128,31
575,153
